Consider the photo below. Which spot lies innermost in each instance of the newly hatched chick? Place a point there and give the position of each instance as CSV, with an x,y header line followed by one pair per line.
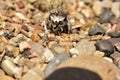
x,y
57,22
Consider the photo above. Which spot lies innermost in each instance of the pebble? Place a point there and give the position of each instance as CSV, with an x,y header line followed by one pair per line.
x,y
39,17
8,34
114,21
14,50
5,77
34,74
85,47
74,51
75,37
15,41
11,69
107,3
116,58
26,53
48,55
79,67
106,26
55,62
117,27
46,36
20,4
99,54
12,42
3,5
24,45
32,1
114,34
97,8
88,25
57,49
105,16
25,27
25,69
88,13
9,47
117,46
35,37
20,16
2,72
2,46
19,38
36,47
87,1
96,30
37,60
108,59
105,46
9,53
116,9
114,40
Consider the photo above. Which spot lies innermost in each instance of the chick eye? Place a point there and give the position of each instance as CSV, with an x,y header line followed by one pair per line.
x,y
61,22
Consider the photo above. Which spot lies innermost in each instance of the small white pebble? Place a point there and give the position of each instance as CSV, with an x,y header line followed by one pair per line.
x,y
74,51
108,59
24,45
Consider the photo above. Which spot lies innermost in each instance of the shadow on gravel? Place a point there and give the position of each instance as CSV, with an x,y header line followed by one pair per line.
x,y
73,74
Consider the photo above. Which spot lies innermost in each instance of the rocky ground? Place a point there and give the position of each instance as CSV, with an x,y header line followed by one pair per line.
x,y
90,52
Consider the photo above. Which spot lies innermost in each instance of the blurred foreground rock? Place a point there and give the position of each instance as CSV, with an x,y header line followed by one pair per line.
x,y
79,67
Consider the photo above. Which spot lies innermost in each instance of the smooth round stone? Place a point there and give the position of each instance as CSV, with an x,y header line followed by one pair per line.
x,y
105,16
85,68
74,51
96,30
114,34
108,59
55,62
85,47
105,46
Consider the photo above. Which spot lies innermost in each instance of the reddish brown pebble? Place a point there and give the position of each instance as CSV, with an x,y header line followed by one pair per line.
x,y
20,4
25,69
117,28
35,37
24,27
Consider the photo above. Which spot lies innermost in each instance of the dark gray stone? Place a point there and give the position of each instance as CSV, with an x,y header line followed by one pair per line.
x,y
96,30
105,46
55,62
115,34
105,16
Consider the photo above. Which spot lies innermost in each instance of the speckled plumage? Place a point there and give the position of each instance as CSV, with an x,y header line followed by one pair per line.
x,y
57,22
